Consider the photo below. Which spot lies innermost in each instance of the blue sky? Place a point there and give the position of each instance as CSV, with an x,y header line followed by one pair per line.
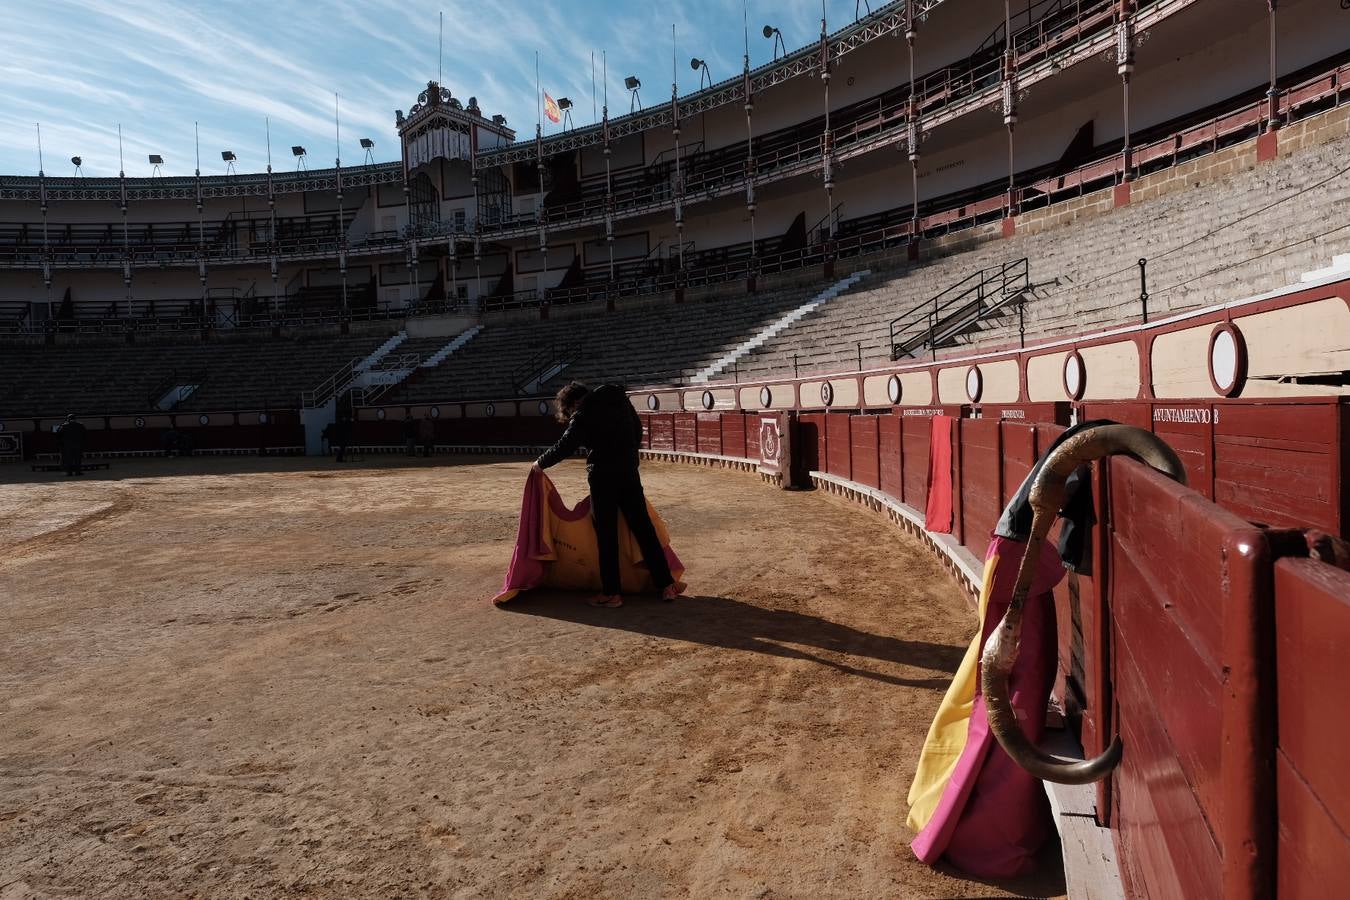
x,y
81,67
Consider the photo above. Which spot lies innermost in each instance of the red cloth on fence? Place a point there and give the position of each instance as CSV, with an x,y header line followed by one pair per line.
x,y
938,515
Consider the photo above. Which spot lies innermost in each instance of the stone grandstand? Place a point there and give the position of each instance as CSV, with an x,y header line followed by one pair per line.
x,y
1203,226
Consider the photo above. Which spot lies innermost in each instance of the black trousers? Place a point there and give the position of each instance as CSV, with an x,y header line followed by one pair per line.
x,y
614,494
72,460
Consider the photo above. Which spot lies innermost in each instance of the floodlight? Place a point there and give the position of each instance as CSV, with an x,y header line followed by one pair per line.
x,y
228,155
564,103
367,143
297,150
701,66
771,32
632,83
156,159
77,160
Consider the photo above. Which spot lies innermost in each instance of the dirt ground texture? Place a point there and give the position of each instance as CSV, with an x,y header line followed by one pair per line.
x,y
263,678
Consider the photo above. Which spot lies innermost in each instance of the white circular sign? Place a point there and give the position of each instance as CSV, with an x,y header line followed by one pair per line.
x,y
1075,376
765,397
974,384
827,393
543,407
708,400
1223,361
203,419
262,418
490,409
380,414
653,402
140,422
435,412
894,389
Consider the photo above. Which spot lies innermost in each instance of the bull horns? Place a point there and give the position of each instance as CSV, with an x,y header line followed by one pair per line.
x,y
1047,497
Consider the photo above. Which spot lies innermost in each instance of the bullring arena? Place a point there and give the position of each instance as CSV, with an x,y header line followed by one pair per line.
x,y
343,712
986,362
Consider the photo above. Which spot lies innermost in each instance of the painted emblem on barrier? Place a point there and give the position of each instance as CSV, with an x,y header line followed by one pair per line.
x,y
768,440
827,393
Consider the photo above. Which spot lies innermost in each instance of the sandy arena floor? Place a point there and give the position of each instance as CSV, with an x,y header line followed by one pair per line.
x,y
264,678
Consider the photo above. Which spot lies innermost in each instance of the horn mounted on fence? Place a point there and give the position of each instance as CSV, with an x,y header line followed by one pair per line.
x,y
1046,498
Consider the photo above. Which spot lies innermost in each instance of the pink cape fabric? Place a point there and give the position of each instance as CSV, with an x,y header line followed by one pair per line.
x,y
532,555
993,816
938,514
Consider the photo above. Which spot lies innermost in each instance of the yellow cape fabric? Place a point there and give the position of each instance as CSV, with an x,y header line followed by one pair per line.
x,y
947,735
572,556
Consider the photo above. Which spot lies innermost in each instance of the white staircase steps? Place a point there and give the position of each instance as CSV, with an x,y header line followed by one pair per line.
x,y
439,356
382,351
774,328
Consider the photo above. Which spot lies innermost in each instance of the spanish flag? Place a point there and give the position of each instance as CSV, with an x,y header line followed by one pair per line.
x,y
551,109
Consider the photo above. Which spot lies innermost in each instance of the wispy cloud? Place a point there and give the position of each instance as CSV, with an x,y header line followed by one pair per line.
x,y
82,67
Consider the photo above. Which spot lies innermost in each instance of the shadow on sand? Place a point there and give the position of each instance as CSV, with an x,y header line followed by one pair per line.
x,y
735,625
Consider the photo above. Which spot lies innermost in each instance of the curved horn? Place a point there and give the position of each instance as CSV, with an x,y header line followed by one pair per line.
x,y
1046,498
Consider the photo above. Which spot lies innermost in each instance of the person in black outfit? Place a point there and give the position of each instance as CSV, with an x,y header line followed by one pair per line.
x,y
71,434
409,434
604,423
342,434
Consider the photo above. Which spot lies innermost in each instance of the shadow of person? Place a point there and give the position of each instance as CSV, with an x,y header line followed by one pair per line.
x,y
736,625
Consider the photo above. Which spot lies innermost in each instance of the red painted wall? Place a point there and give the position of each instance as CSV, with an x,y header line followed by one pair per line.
x,y
863,450
1312,614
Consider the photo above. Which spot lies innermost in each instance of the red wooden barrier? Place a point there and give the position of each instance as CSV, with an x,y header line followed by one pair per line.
x,y
1312,615
863,450
838,445
978,481
890,460
752,426
812,429
708,427
686,432
733,435
1280,463
915,441
1188,429
1189,602
662,428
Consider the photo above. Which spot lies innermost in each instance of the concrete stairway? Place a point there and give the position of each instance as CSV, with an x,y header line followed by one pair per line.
x,y
770,331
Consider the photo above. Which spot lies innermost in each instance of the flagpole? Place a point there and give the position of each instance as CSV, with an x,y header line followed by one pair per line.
x,y
593,117
538,95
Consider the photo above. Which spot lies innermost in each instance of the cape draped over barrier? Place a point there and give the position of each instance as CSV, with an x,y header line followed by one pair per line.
x,y
556,546
970,803
938,514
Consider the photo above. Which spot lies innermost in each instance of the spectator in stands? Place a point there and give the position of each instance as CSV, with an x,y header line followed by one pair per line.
x,y
426,429
342,434
71,436
604,423
410,430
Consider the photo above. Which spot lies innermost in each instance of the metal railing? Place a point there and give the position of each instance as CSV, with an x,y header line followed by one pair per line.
x,y
558,353
959,307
